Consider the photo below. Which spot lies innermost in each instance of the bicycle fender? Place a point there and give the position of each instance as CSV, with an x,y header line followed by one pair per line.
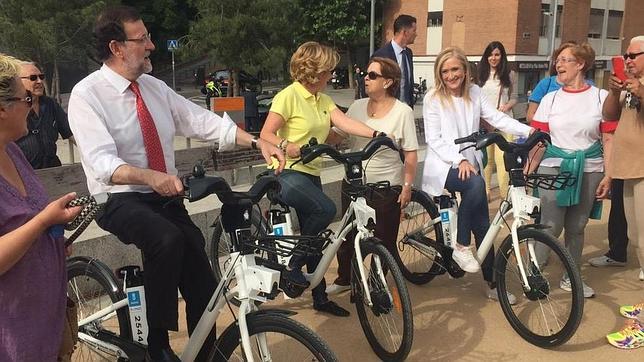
x,y
533,226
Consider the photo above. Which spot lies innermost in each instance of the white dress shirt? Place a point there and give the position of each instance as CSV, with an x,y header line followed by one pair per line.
x,y
446,122
103,118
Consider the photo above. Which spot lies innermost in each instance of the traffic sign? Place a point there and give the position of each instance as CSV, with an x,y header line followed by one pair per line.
x,y
173,45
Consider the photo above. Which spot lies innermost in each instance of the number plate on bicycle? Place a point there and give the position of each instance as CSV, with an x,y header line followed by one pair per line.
x,y
363,212
526,205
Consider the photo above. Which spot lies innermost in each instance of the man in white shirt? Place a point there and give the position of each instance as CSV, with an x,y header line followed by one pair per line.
x,y
397,50
124,122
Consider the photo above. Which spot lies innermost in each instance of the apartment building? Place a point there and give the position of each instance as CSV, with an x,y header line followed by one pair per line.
x,y
525,27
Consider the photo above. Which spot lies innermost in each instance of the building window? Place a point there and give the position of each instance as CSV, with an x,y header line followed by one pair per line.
x,y
596,23
614,24
546,20
434,19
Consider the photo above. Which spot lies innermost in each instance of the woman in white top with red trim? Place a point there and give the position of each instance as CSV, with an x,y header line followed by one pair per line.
x,y
581,144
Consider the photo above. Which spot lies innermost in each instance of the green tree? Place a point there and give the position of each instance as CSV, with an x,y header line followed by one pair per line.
x,y
50,32
250,34
343,23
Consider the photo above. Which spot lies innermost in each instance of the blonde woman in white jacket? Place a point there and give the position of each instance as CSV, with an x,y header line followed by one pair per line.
x,y
453,110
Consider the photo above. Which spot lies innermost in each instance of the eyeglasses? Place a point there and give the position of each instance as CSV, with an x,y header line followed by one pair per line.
x,y
565,60
27,99
33,77
632,56
142,39
374,75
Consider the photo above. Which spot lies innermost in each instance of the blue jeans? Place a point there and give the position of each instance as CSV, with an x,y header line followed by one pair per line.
x,y
315,211
473,214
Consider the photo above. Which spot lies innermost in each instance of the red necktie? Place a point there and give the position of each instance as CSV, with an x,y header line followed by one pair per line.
x,y
151,141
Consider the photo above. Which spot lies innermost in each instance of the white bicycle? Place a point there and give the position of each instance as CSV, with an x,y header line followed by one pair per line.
x,y
378,287
104,326
545,315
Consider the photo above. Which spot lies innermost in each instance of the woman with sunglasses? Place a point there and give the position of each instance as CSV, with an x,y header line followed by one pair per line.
x,y
32,252
581,144
499,85
452,110
298,113
381,111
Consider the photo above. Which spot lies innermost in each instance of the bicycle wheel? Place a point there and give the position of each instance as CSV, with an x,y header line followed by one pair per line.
x,y
418,235
92,286
285,339
388,322
546,316
221,242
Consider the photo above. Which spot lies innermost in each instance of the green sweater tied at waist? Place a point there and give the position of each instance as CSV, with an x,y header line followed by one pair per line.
x,y
574,162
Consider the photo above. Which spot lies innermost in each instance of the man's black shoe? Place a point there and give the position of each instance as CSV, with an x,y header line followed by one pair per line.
x,y
165,355
332,308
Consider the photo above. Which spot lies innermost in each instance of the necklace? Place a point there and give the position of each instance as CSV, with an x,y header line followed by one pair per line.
x,y
383,109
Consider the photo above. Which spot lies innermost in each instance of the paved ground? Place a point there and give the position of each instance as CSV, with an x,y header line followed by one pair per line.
x,y
453,320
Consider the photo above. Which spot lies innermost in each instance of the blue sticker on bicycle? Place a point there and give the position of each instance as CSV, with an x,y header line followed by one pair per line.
x,y
444,216
134,298
278,231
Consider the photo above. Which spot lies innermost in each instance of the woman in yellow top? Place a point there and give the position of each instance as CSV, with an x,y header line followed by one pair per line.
x,y
298,113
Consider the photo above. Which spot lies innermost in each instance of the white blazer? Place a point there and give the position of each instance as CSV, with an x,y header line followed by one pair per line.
x,y
443,125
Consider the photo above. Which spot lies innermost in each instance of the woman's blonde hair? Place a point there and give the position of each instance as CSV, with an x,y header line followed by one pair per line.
x,y
441,90
9,70
311,59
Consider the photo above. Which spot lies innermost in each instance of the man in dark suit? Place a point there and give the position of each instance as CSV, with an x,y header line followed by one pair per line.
x,y
396,49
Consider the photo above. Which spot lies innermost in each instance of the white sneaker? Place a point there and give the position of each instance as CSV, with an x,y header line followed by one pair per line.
x,y
565,285
642,274
465,259
605,261
494,295
336,288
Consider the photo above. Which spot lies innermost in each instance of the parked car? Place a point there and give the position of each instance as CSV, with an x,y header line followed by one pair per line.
x,y
246,81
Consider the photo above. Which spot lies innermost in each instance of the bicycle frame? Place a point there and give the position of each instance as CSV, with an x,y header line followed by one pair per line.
x,y
363,213
251,279
518,204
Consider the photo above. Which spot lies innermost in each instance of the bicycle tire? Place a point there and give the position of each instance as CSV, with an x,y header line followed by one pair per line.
x,y
418,266
554,305
90,284
386,302
228,346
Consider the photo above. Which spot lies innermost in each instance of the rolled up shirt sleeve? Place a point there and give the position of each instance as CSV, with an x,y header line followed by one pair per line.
x,y
100,157
194,121
501,120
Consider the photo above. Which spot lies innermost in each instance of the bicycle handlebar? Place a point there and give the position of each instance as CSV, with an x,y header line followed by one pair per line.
x,y
482,140
313,150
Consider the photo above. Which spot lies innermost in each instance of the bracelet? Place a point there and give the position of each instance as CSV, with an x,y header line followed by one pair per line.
x,y
408,184
253,143
282,145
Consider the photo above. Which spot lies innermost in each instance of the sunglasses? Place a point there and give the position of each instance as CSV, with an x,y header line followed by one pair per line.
x,y
33,77
374,75
27,99
632,56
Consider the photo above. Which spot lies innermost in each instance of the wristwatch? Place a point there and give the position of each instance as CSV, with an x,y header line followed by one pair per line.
x,y
253,143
